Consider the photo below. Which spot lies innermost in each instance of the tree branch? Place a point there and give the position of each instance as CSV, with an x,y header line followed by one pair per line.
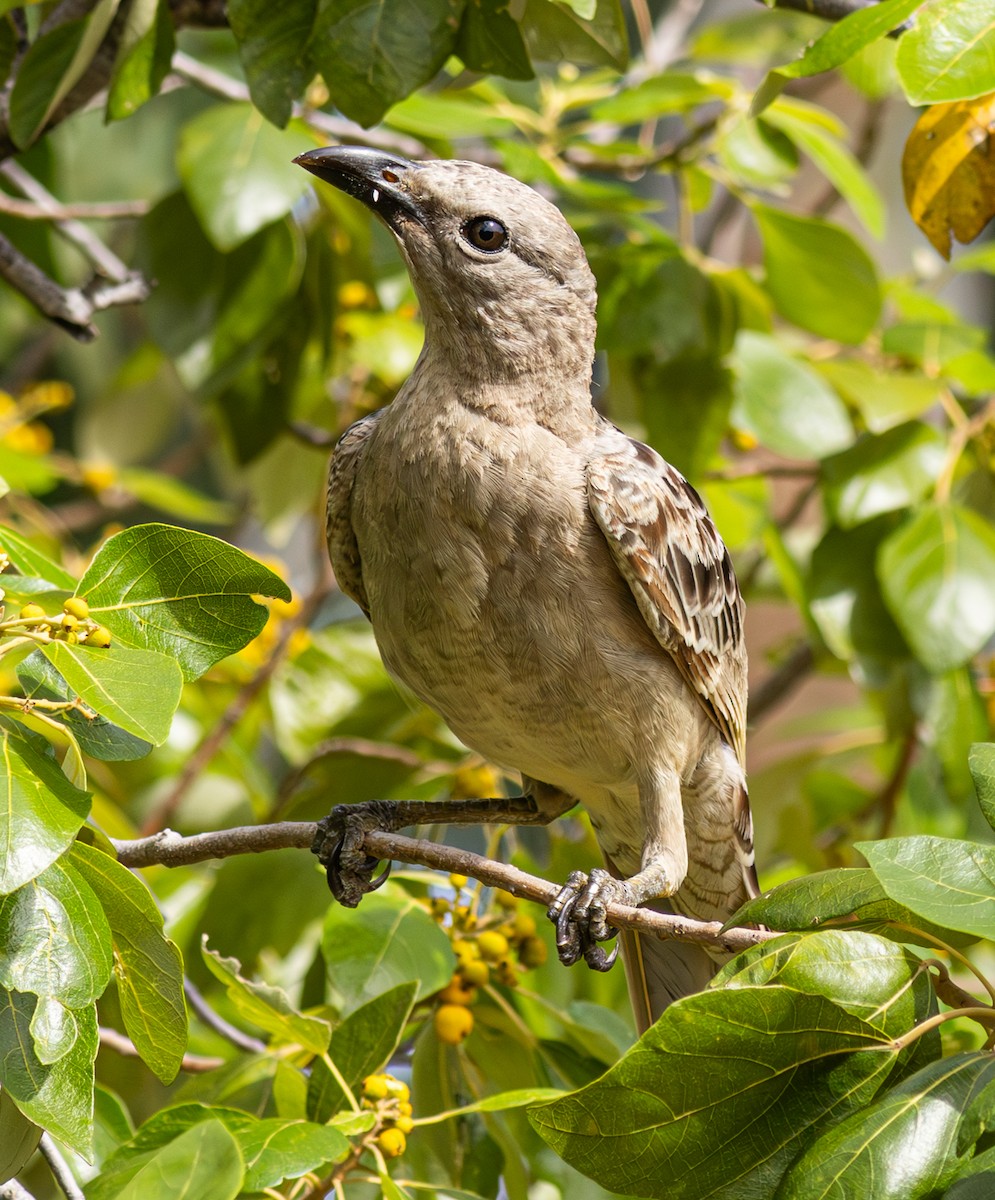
x,y
216,1022
59,1168
191,1063
782,681
170,849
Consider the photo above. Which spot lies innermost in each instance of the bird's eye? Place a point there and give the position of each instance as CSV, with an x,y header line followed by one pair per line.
x,y
486,233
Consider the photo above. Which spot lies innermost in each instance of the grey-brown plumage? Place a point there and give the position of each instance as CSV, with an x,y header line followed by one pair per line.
x,y
554,589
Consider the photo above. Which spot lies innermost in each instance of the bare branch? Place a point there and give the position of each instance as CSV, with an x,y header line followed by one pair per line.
x,y
59,1168
98,255
101,210
12,1190
342,130
72,309
169,849
213,1021
782,681
191,1063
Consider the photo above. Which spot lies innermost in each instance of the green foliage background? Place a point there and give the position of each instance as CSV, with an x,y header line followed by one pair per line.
x,y
769,318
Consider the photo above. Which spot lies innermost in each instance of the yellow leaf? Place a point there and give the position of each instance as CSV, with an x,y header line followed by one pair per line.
x,y
948,170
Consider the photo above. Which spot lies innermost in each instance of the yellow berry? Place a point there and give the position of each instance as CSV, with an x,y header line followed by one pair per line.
x,y
492,945
77,607
465,950
375,1087
31,612
505,899
392,1142
475,973
438,906
453,1022
69,623
404,1108
464,918
397,1089
458,881
457,992
505,973
405,1124
523,926
99,637
532,952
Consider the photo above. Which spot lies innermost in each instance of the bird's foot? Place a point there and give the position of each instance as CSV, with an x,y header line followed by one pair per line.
x,y
338,843
580,914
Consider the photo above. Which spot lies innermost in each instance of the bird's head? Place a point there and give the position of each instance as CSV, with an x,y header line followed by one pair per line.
x,y
501,277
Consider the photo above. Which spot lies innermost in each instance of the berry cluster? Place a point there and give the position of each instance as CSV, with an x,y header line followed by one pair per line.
x,y
390,1099
74,625
495,950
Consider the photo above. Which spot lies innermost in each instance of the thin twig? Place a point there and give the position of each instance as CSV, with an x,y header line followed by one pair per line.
x,y
213,1020
193,1064
12,1190
233,714
170,849
85,240
59,1168
101,210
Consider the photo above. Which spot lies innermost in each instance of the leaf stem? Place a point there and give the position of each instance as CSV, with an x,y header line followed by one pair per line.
x,y
339,1078
983,1015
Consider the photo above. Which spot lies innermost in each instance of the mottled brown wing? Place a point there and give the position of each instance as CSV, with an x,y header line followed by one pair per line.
x,y
680,573
343,549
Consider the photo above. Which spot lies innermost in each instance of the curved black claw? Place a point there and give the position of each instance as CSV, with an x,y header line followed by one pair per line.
x,y
338,843
579,913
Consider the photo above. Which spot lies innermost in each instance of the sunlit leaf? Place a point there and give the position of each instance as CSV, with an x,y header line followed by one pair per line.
x,y
43,812
270,38
937,572
148,966
178,593
54,938
204,1161
947,54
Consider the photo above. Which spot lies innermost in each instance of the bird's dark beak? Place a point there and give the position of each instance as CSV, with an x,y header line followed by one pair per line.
x,y
380,180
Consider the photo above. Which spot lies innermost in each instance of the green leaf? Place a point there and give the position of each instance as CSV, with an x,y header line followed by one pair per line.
x,y
178,593
810,264
272,1149
840,42
144,57
981,760
937,572
54,938
148,966
884,398
30,561
270,38
802,124
360,1046
43,812
373,53
53,65
845,897
390,939
19,1138
910,1144
947,881
275,1150
556,32
267,1006
234,167
203,1162
490,41
58,1095
138,690
94,734
784,403
880,474
671,91
948,53
210,311
844,596
675,1118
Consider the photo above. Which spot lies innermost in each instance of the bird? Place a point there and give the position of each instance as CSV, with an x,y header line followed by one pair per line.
x,y
551,587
